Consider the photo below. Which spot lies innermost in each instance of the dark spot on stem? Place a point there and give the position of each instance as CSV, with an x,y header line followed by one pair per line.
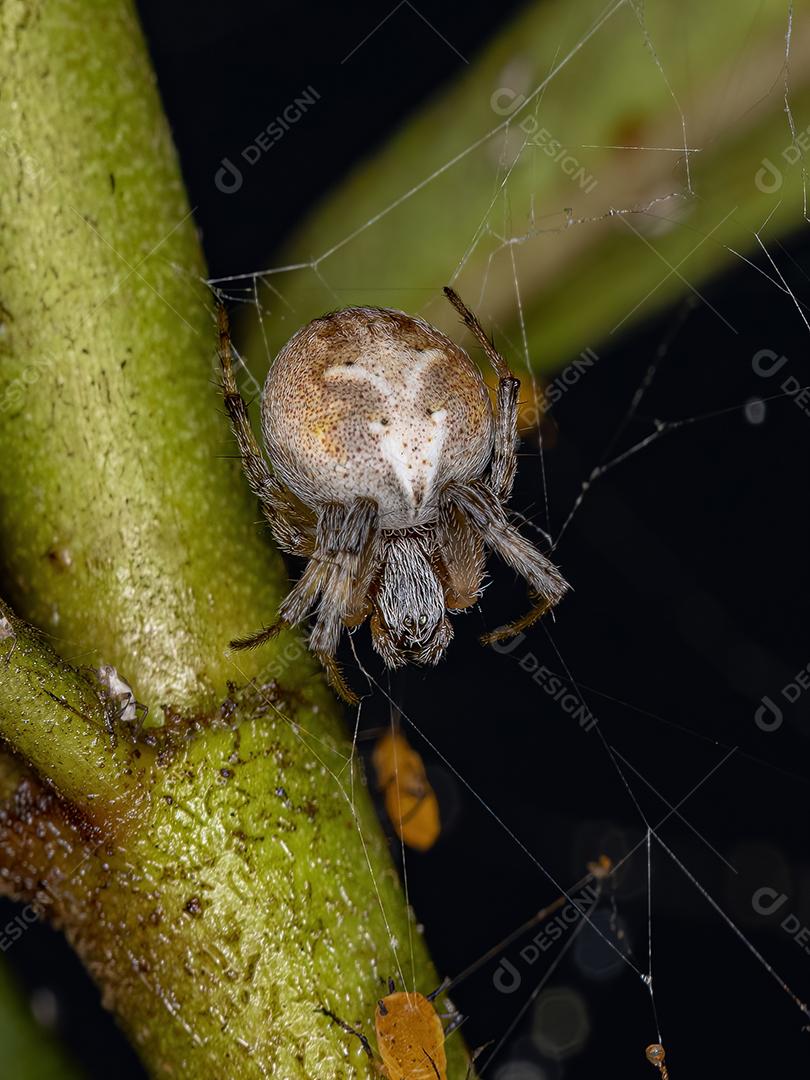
x,y
193,906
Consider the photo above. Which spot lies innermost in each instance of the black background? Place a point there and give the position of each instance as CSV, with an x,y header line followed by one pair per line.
x,y
689,562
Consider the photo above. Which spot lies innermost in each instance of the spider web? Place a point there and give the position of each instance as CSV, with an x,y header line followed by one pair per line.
x,y
496,281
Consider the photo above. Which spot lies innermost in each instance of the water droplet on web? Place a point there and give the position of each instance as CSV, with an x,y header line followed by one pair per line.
x,y
755,411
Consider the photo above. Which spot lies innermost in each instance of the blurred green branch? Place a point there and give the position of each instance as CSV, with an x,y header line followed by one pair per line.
x,y
29,1053
529,155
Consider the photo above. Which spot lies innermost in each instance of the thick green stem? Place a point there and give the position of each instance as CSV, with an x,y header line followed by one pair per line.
x,y
55,719
127,534
252,885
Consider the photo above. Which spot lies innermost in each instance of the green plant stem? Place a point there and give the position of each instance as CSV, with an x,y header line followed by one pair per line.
x,y
128,534
55,720
252,885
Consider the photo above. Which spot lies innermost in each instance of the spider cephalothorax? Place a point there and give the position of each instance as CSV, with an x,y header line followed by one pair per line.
x,y
390,473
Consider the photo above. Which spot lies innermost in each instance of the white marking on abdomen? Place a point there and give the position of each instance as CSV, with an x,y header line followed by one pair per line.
x,y
413,469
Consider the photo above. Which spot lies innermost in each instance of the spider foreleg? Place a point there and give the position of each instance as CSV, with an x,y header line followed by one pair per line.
x,y
476,329
504,454
546,583
260,478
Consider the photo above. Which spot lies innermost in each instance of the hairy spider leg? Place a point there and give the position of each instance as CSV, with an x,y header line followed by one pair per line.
x,y
337,568
489,518
289,521
460,558
504,456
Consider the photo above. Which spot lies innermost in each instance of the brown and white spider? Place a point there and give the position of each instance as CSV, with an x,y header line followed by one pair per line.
x,y
391,474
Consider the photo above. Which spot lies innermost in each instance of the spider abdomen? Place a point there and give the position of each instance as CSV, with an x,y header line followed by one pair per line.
x,y
373,403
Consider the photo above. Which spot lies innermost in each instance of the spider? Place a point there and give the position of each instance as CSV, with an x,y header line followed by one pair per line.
x,y
390,474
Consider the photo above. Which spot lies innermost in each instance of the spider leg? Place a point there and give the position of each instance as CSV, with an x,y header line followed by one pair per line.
x,y
253,641
545,580
440,989
144,712
517,626
344,541
332,571
290,522
339,569
334,676
459,557
303,596
360,606
475,1056
504,454
335,573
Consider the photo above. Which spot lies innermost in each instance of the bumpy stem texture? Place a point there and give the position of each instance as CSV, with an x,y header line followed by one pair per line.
x,y
223,877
